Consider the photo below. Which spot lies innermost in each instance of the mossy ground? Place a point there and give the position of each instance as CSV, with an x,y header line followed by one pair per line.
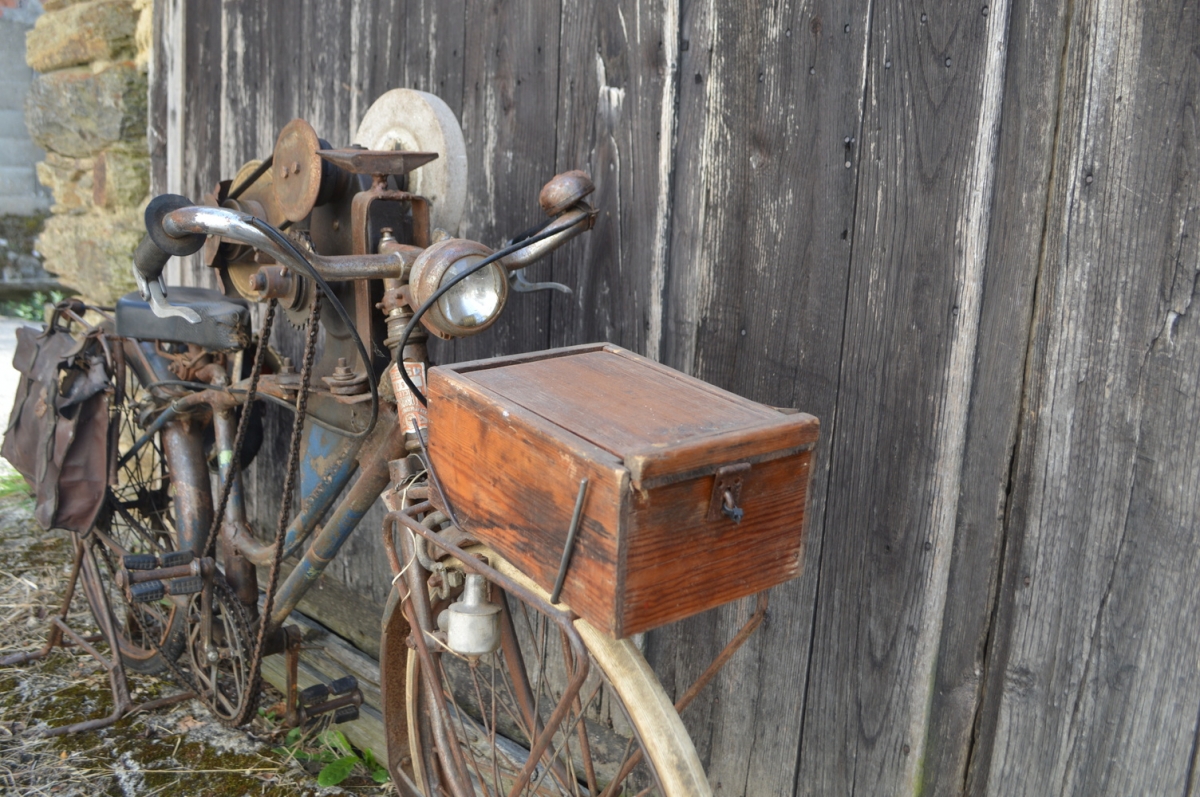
x,y
179,750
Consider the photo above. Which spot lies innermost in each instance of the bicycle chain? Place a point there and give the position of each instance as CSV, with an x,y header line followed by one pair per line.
x,y
285,510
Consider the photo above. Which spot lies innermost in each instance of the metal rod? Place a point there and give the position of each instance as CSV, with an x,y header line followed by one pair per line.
x,y
159,422
569,547
716,666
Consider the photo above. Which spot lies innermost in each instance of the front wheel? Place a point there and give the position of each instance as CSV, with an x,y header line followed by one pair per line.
x,y
620,735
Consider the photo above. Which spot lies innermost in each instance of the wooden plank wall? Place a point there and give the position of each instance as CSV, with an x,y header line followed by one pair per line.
x,y
964,236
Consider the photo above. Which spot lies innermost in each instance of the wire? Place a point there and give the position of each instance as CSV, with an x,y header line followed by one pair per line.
x,y
253,178
283,241
446,286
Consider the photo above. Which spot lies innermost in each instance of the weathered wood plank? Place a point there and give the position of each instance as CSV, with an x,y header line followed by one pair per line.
x,y
756,290
615,121
1024,157
934,85
509,110
1095,656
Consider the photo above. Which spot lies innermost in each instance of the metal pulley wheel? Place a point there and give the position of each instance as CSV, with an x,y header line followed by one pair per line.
x,y
416,121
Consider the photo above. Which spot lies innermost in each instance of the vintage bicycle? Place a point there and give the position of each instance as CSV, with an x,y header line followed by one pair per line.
x,y
498,673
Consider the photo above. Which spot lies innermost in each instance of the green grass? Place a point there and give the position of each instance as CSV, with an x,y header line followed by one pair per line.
x,y
12,483
31,307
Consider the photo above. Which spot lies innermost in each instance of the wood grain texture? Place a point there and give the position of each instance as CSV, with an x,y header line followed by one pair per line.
x,y
1094,663
506,471
679,562
762,209
511,444
912,323
616,83
509,110
1023,165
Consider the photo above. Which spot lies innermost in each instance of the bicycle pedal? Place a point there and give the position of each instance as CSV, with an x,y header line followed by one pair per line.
x,y
140,561
343,686
345,714
148,561
188,585
176,558
317,693
147,592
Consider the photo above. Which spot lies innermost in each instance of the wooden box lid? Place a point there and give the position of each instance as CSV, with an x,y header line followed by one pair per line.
x,y
663,425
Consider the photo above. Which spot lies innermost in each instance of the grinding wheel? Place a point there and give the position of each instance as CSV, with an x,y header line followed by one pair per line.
x,y
415,121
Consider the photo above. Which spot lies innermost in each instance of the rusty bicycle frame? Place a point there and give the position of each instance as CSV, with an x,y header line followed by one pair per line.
x,y
192,391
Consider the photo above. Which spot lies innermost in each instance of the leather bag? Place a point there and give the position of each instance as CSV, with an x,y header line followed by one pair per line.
x,y
57,435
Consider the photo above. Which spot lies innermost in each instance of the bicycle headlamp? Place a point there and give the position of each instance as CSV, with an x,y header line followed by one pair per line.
x,y
473,304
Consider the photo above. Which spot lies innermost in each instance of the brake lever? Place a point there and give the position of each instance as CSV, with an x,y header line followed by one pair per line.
x,y
156,293
516,280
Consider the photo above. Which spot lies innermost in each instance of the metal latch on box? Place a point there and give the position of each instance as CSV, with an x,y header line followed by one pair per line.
x,y
727,491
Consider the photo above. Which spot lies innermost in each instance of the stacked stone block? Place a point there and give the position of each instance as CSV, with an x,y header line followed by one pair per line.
x,y
87,109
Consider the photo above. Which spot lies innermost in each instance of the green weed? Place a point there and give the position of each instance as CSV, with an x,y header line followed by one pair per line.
x,y
333,750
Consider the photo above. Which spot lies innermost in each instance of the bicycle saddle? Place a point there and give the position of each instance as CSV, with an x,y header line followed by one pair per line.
x,y
224,322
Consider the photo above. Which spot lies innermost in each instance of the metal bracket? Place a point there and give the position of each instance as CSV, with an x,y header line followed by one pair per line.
x,y
156,294
517,281
727,491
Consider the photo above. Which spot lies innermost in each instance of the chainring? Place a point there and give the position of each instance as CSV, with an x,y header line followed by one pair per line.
x,y
220,670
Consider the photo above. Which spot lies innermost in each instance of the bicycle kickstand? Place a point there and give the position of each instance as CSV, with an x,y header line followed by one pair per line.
x,y
62,635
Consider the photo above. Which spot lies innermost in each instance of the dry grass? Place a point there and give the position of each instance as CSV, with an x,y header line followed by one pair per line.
x,y
176,751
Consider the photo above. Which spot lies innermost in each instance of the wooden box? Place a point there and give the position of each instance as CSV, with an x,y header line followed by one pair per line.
x,y
510,439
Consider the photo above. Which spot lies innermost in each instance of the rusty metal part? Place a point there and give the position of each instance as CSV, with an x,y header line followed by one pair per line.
x,y
344,381
297,169
575,221
426,277
196,567
375,162
564,190
727,486
421,618
293,291
62,635
717,664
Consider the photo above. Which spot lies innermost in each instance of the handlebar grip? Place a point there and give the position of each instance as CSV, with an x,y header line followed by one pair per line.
x,y
149,260
156,211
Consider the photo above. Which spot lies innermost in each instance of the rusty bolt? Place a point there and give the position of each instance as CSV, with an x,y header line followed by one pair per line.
x,y
286,366
344,382
295,167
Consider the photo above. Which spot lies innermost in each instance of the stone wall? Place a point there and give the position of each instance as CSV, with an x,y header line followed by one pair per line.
x,y
87,110
20,193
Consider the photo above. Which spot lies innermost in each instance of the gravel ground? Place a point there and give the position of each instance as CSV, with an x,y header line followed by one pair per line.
x,y
179,750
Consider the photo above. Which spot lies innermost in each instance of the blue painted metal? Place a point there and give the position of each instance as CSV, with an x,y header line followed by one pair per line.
x,y
325,546
387,442
325,470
